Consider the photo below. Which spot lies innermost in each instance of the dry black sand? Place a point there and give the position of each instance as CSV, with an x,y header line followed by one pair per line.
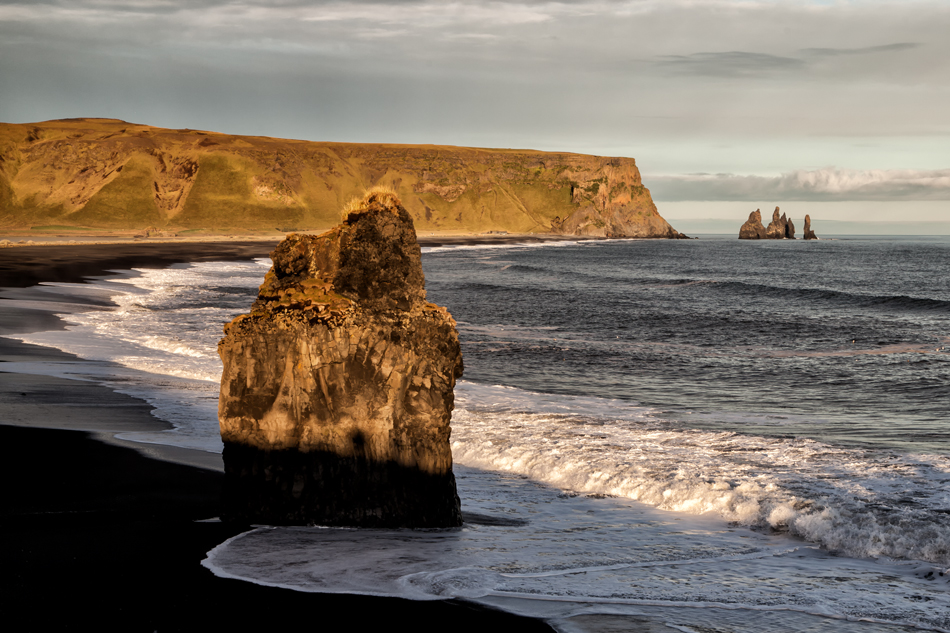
x,y
99,536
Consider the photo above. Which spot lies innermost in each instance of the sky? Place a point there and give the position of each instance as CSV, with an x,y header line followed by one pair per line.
x,y
727,105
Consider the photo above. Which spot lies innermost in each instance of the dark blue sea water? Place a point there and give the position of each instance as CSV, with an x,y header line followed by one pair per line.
x,y
842,341
710,434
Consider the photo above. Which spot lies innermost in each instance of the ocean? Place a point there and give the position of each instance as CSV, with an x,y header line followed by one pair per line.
x,y
714,434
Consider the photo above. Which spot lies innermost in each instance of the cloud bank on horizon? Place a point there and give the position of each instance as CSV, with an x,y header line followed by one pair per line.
x,y
748,87
828,184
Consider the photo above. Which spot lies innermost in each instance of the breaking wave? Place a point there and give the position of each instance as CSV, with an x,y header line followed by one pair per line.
x,y
861,503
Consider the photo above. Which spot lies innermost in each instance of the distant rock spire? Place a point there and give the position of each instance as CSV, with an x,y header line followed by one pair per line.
x,y
808,233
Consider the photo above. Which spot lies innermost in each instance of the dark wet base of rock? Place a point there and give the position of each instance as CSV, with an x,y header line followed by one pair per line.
x,y
289,487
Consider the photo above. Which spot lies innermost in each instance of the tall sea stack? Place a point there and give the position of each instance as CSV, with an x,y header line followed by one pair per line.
x,y
337,389
752,229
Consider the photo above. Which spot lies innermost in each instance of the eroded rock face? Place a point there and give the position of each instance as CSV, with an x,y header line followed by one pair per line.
x,y
337,389
753,229
808,233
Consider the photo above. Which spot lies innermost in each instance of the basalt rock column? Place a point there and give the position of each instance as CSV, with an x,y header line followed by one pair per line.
x,y
337,389
809,234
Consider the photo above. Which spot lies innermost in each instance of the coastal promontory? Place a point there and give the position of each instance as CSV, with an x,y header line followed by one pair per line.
x,y
337,389
111,174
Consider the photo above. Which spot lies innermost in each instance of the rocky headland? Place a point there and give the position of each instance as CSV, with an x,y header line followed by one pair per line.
x,y
337,388
780,228
106,173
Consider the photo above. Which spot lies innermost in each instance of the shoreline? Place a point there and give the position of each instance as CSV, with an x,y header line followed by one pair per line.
x,y
430,238
24,265
111,532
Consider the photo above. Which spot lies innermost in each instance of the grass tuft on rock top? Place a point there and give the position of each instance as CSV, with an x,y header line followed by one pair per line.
x,y
381,195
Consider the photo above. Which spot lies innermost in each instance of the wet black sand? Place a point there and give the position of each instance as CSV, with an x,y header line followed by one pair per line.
x,y
101,536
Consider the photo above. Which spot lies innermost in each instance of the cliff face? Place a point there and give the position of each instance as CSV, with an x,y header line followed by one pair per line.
x,y
112,174
337,388
610,201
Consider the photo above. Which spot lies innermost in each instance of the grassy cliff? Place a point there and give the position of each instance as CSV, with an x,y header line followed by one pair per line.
x,y
109,174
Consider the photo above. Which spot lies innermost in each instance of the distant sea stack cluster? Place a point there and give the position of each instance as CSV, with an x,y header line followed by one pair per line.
x,y
780,228
338,387
107,173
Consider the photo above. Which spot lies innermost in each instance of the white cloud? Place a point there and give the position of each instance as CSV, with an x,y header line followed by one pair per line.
x,y
682,85
829,184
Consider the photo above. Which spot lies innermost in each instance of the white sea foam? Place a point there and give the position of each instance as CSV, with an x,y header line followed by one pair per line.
x,y
860,503
579,555
166,322
158,344
509,245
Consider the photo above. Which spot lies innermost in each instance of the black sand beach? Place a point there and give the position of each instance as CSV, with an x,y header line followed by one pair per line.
x,y
106,536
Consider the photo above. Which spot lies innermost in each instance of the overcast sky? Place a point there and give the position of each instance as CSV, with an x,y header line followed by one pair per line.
x,y
717,100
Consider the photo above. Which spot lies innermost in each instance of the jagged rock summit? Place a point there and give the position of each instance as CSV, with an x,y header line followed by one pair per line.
x,y
337,388
780,228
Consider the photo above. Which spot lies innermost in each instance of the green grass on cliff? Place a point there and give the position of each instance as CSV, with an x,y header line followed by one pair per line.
x,y
253,184
125,203
222,197
6,197
61,227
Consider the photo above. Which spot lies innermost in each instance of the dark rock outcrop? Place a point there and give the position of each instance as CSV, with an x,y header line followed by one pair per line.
x,y
808,233
753,229
337,389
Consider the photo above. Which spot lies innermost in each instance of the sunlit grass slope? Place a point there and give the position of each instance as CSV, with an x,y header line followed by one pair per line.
x,y
106,173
